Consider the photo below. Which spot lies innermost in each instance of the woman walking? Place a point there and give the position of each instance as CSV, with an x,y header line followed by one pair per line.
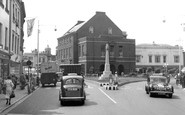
x,y
9,88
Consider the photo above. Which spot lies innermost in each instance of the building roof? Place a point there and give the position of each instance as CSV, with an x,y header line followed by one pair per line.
x,y
75,27
154,45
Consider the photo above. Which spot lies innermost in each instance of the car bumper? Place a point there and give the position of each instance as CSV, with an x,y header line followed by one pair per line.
x,y
162,92
72,98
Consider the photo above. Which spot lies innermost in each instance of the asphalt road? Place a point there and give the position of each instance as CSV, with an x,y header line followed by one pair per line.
x,y
130,99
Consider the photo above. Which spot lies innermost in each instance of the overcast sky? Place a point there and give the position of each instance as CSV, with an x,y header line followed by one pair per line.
x,y
143,20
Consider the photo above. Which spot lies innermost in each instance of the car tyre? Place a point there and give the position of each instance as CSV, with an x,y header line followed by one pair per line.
x,y
62,102
151,94
170,95
82,102
42,85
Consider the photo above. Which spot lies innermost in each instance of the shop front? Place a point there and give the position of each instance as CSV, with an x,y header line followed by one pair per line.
x,y
4,60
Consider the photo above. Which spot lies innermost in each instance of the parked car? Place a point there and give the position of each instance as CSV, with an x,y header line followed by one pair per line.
x,y
158,84
72,89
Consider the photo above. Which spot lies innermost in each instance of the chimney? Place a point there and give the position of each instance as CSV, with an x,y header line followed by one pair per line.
x,y
100,13
79,22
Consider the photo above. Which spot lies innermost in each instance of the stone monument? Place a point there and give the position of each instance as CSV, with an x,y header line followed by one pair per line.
x,y
106,71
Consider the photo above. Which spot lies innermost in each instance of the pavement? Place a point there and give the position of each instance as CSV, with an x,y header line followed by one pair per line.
x,y
19,95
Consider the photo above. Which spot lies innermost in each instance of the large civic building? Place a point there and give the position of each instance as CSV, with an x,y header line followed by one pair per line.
x,y
159,56
85,44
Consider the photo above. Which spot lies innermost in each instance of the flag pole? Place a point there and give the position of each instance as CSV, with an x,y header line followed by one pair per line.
x,y
38,51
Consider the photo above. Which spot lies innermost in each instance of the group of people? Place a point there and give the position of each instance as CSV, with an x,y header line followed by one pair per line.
x,y
180,79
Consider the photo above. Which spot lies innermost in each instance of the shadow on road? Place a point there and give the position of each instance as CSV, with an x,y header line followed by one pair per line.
x,y
78,103
166,97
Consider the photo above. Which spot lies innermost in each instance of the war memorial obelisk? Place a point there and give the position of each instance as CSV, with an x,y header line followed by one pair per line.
x,y
106,71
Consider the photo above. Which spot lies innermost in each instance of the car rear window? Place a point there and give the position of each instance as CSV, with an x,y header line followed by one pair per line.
x,y
72,81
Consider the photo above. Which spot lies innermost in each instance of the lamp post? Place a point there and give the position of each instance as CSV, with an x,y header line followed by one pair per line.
x,y
55,29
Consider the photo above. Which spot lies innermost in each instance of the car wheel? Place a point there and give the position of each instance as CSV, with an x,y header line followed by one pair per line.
x,y
151,94
62,102
42,85
170,95
82,102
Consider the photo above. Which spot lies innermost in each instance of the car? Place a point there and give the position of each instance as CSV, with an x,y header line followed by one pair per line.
x,y
158,84
72,89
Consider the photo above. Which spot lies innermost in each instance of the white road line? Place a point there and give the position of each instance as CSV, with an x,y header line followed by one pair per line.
x,y
107,95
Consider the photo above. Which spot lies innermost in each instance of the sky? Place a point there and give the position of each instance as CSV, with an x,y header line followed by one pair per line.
x,y
146,21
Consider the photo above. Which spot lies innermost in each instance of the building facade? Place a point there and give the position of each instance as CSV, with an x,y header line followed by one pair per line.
x,y
44,56
159,56
85,43
12,13
4,37
16,34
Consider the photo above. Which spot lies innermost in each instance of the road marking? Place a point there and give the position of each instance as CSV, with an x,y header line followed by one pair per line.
x,y
107,95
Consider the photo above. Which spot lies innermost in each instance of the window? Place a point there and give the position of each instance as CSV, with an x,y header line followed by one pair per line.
x,y
79,51
157,59
109,30
164,59
111,50
6,38
15,46
150,58
1,27
91,30
103,51
12,40
120,51
18,47
83,50
176,59
138,58
7,6
70,51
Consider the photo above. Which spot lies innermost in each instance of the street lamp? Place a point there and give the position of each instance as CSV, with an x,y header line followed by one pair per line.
x,y
38,32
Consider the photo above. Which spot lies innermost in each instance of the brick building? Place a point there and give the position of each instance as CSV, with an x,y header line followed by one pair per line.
x,y
85,43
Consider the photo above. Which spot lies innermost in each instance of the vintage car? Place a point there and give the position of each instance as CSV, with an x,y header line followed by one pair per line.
x,y
158,84
72,89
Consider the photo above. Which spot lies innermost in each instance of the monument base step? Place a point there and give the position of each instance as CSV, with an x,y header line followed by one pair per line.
x,y
104,84
113,87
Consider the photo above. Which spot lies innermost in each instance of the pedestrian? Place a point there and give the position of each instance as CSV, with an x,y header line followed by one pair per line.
x,y
9,89
1,84
116,79
22,81
14,80
111,81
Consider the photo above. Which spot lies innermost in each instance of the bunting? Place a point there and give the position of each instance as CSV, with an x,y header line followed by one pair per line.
x,y
30,24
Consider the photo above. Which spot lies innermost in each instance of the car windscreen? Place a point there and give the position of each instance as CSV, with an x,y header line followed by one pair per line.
x,y
72,81
158,80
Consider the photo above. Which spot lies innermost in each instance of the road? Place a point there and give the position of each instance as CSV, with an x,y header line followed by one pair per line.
x,y
130,99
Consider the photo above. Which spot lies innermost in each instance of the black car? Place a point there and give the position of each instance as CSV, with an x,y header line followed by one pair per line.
x,y
72,89
158,85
